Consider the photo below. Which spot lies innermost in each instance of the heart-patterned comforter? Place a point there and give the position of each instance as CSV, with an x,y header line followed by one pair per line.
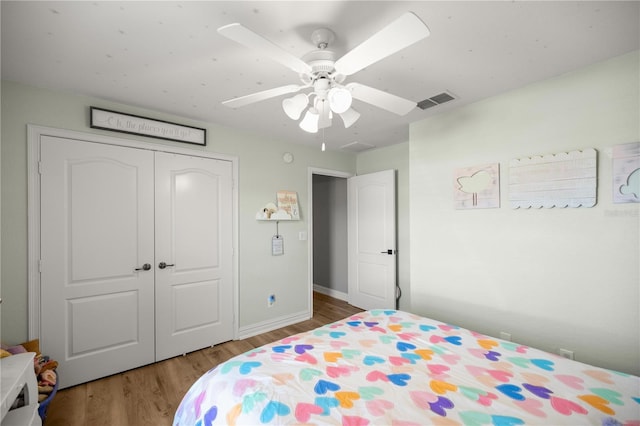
x,y
387,367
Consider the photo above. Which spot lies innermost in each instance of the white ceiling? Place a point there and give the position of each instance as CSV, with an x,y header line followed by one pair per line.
x,y
167,56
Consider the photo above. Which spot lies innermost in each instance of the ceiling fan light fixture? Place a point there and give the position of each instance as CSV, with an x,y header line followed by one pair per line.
x,y
325,113
339,99
310,121
321,70
294,105
349,117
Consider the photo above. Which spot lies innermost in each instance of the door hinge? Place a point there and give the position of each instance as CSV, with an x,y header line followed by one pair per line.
x,y
39,167
40,265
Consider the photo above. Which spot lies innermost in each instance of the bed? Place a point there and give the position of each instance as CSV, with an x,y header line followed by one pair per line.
x,y
388,367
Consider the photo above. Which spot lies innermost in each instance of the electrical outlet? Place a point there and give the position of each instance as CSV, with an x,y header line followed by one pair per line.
x,y
566,353
271,300
505,336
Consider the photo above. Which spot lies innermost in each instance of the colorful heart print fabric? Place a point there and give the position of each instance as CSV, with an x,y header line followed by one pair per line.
x,y
387,367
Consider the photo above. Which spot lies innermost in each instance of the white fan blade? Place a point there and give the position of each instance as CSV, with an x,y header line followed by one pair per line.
x,y
248,38
261,96
384,100
403,32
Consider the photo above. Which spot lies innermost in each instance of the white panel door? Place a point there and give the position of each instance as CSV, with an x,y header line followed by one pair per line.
x,y
97,309
194,291
372,240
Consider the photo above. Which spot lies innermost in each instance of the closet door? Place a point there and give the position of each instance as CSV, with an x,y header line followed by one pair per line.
x,y
97,297
194,253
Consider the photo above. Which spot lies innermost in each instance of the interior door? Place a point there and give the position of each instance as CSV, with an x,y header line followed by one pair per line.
x,y
97,295
372,240
194,253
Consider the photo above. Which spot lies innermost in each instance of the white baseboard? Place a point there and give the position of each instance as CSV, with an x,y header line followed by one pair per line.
x,y
330,292
272,324
276,323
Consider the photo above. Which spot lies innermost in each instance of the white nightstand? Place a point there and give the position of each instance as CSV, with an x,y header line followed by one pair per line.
x,y
17,374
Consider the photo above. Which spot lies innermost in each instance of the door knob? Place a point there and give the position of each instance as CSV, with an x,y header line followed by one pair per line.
x,y
145,267
163,265
387,251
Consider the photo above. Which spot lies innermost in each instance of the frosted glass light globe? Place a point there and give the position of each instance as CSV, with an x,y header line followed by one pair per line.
x,y
339,99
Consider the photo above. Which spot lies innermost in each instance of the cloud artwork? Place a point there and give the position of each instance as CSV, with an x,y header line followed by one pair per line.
x,y
626,173
633,185
477,187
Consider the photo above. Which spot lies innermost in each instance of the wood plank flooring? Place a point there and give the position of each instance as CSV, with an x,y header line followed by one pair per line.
x,y
150,395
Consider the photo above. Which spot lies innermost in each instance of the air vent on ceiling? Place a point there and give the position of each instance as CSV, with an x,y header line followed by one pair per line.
x,y
436,100
356,147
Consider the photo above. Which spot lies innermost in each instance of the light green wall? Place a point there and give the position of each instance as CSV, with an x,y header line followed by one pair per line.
x,y
261,173
553,278
395,157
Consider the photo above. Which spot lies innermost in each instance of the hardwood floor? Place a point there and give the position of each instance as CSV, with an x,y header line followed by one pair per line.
x,y
151,394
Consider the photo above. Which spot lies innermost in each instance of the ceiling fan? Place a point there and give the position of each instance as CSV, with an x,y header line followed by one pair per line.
x,y
321,71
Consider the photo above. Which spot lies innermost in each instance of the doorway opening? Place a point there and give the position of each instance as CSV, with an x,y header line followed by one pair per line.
x,y
328,273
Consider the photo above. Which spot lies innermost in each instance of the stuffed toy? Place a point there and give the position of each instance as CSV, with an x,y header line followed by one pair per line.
x,y
43,366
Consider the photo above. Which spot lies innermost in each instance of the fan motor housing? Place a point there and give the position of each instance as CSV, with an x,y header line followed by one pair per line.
x,y
321,60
